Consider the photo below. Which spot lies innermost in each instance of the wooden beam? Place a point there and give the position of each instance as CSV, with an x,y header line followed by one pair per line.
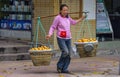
x,y
56,11
56,6
81,7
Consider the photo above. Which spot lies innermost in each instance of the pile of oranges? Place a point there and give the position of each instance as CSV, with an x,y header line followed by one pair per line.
x,y
87,40
41,48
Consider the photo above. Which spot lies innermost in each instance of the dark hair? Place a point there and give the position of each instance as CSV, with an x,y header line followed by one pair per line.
x,y
62,5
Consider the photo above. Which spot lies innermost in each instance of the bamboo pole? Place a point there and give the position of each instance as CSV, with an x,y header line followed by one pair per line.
x,y
57,14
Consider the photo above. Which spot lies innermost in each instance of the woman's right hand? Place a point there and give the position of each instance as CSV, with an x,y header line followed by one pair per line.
x,y
48,37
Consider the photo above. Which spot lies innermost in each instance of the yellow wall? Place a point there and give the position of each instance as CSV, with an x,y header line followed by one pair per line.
x,y
43,8
51,7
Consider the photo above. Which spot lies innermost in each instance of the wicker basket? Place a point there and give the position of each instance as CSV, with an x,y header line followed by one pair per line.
x,y
83,52
41,58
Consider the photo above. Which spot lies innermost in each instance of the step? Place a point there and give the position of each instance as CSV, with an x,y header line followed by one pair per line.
x,y
14,50
14,57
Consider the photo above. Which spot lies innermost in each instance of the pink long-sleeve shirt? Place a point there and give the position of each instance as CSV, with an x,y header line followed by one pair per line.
x,y
62,24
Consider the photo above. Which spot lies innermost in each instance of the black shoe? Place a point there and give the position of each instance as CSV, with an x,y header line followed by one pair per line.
x,y
66,71
59,70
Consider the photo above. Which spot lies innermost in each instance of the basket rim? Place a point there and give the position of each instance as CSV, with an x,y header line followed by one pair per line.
x,y
95,42
40,50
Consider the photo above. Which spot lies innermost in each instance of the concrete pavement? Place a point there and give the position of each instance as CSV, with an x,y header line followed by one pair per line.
x,y
83,67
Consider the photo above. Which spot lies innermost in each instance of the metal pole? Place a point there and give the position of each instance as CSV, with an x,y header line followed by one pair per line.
x,y
119,68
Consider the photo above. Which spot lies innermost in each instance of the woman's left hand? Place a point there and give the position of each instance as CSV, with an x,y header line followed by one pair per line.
x,y
82,18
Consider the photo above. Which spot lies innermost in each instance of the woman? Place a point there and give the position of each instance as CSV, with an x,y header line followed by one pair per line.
x,y
62,24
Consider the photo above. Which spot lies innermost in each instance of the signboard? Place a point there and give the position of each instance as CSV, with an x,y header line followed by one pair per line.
x,y
99,1
15,24
103,23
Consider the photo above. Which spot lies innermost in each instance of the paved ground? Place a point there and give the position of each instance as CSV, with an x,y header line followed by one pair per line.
x,y
84,67
104,65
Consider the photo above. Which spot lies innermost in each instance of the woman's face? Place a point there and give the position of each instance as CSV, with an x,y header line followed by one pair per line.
x,y
64,11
